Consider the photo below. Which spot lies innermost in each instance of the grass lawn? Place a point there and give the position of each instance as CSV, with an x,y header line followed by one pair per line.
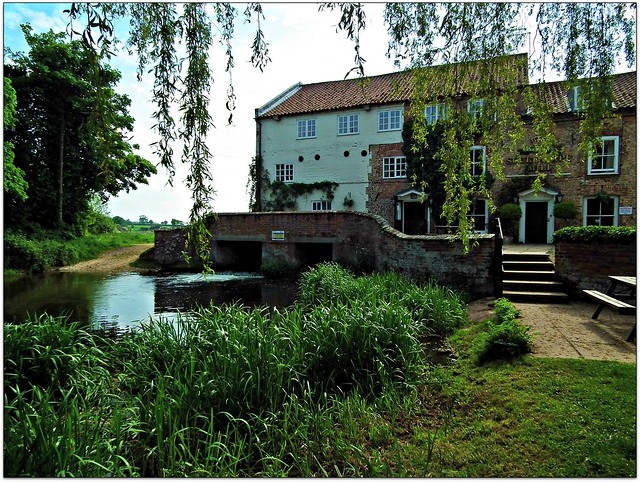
x,y
532,418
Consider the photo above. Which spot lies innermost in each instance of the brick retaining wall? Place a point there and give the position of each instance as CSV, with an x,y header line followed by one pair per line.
x,y
586,266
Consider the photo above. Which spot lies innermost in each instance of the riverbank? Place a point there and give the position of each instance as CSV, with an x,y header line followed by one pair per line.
x,y
117,260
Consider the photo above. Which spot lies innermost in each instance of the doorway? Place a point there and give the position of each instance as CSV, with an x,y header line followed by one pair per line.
x,y
414,218
535,222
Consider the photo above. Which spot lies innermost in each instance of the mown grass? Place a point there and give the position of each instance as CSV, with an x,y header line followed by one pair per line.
x,y
46,250
337,385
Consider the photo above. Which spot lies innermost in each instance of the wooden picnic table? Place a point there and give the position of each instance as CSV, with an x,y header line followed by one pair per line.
x,y
611,297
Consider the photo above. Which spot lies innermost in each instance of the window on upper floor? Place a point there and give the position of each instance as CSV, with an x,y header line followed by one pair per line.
x,y
478,155
284,172
306,128
575,102
474,107
348,124
435,112
321,206
601,211
604,159
394,167
390,120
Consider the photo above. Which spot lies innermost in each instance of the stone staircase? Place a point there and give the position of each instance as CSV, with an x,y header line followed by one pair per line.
x,y
530,277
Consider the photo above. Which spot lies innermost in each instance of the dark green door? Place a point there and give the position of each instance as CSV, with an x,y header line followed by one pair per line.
x,y
535,224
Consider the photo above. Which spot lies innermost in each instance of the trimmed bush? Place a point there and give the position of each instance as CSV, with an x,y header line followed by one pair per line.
x,y
510,212
565,210
596,234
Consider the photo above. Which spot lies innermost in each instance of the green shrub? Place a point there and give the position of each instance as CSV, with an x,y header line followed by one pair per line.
x,y
596,234
505,311
505,341
510,212
565,210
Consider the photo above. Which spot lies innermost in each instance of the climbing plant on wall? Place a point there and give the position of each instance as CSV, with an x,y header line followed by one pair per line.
x,y
284,196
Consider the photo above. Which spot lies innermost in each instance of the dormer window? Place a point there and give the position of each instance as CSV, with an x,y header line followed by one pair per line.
x,y
575,102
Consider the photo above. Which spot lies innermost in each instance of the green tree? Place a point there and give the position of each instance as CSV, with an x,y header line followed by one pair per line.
x,y
66,161
581,42
13,177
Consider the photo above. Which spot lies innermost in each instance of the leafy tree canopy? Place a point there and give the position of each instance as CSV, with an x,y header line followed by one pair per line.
x,y
67,158
13,176
574,40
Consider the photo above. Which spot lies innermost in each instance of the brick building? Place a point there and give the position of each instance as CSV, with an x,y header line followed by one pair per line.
x,y
335,146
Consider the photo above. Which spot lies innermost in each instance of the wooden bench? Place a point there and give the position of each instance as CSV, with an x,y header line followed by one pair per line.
x,y
604,299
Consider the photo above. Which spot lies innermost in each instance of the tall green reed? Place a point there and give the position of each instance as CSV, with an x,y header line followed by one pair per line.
x,y
224,391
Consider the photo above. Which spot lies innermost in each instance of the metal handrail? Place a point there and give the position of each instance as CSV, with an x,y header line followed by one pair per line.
x,y
497,259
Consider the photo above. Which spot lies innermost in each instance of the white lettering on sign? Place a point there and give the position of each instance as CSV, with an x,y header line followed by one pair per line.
x,y
277,235
625,210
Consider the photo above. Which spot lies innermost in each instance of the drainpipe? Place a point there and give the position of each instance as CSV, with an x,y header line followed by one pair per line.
x,y
258,200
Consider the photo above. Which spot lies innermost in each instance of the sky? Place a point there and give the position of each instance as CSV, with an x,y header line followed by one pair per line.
x,y
304,46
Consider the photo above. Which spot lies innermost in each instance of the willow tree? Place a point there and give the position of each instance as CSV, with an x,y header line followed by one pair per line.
x,y
582,43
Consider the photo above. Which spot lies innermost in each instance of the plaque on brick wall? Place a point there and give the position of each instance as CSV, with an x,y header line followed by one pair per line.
x,y
625,210
277,235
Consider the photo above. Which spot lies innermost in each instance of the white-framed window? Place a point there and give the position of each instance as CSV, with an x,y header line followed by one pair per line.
x,y
394,167
604,159
474,107
435,112
284,172
306,128
389,120
601,211
348,124
479,215
321,206
478,159
575,101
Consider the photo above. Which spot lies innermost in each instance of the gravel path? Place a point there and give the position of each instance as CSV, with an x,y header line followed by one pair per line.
x,y
114,261
567,330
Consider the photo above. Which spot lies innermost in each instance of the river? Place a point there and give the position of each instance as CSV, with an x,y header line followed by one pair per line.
x,y
123,300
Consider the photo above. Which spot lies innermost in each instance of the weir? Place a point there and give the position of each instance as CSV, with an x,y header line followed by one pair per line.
x,y
250,240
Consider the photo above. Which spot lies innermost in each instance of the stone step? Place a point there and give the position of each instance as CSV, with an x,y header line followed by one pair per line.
x,y
516,265
530,277
532,285
536,297
546,275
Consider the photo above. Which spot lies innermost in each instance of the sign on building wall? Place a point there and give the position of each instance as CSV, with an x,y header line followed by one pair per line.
x,y
625,210
277,235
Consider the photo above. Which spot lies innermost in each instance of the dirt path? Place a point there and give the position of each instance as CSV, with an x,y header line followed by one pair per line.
x,y
566,330
114,261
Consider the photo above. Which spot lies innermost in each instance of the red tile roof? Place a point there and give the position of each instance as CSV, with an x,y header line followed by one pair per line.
x,y
398,88
624,91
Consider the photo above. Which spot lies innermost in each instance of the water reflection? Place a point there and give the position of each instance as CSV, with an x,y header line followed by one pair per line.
x,y
123,300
